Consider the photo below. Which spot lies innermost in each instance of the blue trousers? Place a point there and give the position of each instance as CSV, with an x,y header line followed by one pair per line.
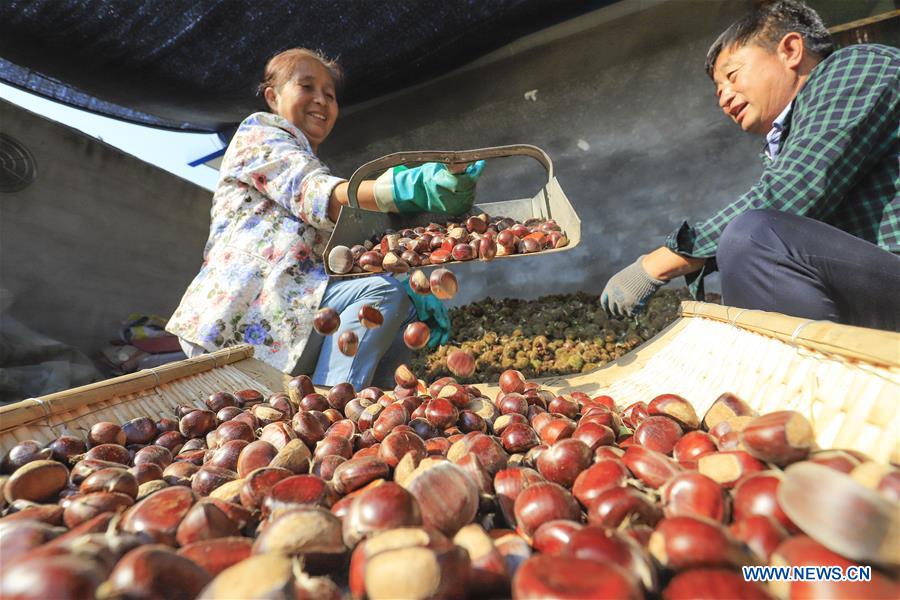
x,y
383,345
777,261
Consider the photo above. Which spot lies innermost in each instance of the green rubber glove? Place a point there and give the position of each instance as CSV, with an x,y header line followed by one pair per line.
x,y
433,313
430,188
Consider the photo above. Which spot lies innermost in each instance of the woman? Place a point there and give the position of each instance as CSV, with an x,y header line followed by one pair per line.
x,y
275,205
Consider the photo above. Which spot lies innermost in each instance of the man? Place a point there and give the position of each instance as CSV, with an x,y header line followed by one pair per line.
x,y
818,235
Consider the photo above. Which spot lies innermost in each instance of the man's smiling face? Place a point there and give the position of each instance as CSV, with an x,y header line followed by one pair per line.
x,y
753,84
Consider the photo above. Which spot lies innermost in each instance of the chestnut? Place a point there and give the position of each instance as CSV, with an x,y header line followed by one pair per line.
x,y
558,428
370,261
153,454
380,508
298,387
173,441
552,537
594,435
197,423
146,472
37,481
462,252
461,363
651,467
110,480
512,382
390,417
487,249
278,433
87,506
398,444
66,446
340,394
370,317
604,474
141,430
157,516
781,437
439,570
566,577
456,394
446,495
348,343
217,554
106,433
359,472
155,571
294,456
676,408
340,260
683,542
757,494
441,413
610,546
258,484
712,584
694,494
633,414
658,433
295,492
612,507
326,321
518,437
439,256
443,283
728,467
405,377
254,456
760,533
61,576
210,518
208,478
308,428
564,461
419,283
692,446
541,502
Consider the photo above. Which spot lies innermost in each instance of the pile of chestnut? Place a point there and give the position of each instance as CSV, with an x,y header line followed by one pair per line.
x,y
479,236
441,492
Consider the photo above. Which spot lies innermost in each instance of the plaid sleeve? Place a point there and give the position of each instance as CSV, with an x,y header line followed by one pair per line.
x,y
843,121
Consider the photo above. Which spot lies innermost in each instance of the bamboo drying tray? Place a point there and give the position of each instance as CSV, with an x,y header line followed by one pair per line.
x,y
846,380
151,392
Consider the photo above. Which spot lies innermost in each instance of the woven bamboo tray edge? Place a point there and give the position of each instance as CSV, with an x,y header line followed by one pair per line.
x,y
35,409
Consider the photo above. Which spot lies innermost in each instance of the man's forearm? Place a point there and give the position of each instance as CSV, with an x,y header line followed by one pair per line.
x,y
664,264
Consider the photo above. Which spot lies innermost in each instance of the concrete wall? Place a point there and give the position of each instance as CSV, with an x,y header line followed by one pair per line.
x,y
98,235
624,109
622,106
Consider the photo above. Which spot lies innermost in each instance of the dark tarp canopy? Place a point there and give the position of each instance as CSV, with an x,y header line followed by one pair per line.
x,y
194,64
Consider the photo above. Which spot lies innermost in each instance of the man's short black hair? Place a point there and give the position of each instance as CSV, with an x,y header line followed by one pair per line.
x,y
768,24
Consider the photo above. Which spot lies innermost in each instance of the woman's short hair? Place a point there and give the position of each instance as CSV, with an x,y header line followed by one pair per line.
x,y
281,67
767,24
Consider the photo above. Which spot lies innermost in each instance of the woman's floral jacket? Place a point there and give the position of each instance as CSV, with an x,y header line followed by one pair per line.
x,y
262,277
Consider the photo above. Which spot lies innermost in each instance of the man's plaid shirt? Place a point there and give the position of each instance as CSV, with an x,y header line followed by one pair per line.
x,y
839,159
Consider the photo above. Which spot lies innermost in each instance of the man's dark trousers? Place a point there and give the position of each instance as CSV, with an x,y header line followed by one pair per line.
x,y
781,262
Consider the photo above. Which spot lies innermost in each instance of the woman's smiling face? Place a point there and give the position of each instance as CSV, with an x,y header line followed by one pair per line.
x,y
307,100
